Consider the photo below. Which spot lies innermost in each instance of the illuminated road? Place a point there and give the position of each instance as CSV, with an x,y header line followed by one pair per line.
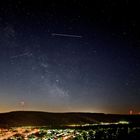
x,y
31,132
67,137
19,131
8,135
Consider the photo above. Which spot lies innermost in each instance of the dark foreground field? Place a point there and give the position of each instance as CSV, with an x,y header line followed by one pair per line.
x,y
32,118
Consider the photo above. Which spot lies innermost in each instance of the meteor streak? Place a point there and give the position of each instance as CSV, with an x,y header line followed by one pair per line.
x,y
66,35
21,55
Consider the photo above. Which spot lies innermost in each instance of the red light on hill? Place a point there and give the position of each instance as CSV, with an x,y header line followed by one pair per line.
x,y
130,112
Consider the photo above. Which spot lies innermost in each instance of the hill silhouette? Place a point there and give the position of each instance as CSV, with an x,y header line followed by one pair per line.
x,y
36,118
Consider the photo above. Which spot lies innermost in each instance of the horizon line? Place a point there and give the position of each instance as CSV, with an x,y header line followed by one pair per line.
x,y
68,112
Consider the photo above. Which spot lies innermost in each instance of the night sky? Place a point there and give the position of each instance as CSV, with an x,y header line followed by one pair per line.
x,y
70,55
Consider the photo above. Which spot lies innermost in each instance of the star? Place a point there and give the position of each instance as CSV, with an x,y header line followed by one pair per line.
x,y
57,81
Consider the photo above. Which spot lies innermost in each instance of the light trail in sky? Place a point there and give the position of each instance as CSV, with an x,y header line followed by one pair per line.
x,y
66,35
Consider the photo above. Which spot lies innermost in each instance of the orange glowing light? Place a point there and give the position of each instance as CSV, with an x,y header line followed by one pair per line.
x,y
131,112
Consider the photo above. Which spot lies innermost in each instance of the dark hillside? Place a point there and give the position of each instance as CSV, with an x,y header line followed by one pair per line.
x,y
24,118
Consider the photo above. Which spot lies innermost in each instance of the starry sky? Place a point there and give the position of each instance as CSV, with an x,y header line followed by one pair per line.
x,y
70,56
